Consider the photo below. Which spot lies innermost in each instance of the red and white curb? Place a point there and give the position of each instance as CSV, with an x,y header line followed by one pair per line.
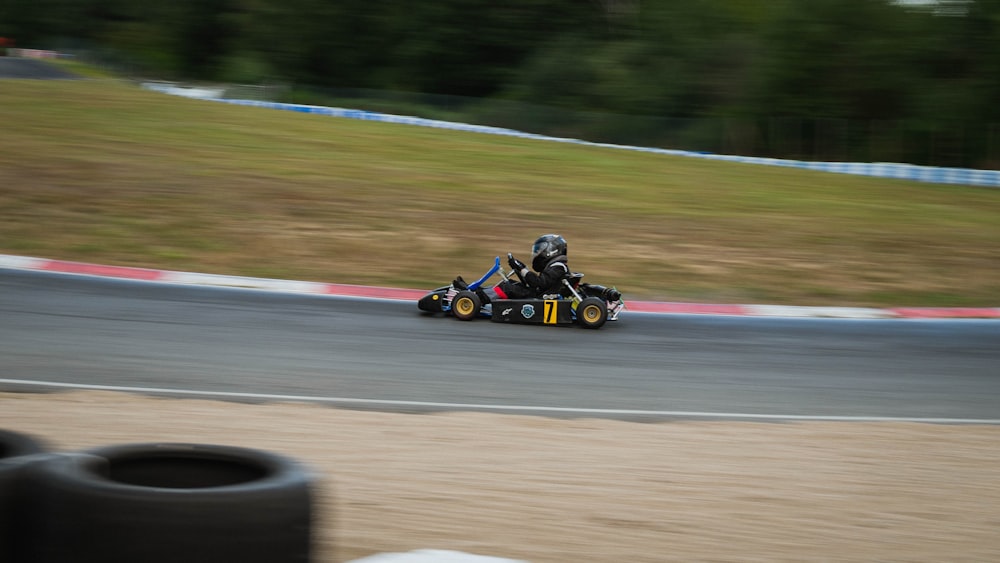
x,y
346,290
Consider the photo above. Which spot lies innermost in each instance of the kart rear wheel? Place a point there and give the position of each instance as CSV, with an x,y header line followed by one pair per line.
x,y
592,312
465,305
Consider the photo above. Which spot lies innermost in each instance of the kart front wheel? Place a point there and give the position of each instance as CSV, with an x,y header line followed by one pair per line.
x,y
592,312
465,305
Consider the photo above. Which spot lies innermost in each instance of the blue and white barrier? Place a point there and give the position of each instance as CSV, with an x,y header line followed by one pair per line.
x,y
932,174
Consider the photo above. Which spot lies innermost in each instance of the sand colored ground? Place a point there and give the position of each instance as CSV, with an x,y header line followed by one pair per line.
x,y
554,490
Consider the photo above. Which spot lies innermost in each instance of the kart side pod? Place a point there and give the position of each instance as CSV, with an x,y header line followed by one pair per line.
x,y
591,312
533,311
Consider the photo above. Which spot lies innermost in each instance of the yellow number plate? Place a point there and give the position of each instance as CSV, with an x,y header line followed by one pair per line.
x,y
551,312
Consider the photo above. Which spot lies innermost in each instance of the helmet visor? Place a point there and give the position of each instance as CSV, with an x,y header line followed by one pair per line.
x,y
538,248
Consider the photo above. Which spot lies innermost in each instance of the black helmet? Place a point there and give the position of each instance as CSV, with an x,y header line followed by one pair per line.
x,y
546,248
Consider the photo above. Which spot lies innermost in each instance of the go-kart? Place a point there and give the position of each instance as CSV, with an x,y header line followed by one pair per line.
x,y
584,304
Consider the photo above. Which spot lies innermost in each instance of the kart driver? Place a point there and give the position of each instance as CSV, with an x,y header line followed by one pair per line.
x,y
548,259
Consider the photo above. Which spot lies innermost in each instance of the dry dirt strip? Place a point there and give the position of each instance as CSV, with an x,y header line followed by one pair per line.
x,y
291,286
549,490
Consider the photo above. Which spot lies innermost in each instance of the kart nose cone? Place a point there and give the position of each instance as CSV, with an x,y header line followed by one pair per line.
x,y
430,302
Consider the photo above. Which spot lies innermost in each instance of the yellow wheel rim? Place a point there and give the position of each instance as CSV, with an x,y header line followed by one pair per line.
x,y
591,313
464,306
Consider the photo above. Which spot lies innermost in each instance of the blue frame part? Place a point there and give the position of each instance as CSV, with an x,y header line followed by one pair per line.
x,y
496,268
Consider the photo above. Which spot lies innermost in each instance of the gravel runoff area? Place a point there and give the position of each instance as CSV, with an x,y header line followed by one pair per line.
x,y
586,490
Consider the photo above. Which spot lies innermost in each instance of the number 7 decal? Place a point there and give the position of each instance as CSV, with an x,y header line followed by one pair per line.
x,y
551,312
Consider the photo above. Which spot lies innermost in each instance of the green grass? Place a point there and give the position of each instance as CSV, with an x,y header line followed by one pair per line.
x,y
98,170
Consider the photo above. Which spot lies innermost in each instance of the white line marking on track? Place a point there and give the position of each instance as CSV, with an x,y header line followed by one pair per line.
x,y
540,410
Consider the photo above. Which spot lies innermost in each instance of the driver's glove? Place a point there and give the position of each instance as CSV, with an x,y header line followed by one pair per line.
x,y
516,264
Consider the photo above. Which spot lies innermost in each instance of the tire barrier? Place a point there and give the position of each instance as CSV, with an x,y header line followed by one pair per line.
x,y
163,503
17,452
15,444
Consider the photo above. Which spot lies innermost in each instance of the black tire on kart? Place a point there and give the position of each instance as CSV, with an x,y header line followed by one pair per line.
x,y
160,503
592,312
465,305
17,453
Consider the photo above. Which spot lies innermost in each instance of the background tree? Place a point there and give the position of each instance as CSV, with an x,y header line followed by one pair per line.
x,y
880,79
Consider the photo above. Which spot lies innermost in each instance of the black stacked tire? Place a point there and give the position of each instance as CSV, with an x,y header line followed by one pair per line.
x,y
16,444
17,452
173,502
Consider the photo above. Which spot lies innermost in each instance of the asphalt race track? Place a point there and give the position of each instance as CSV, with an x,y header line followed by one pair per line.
x,y
11,67
240,344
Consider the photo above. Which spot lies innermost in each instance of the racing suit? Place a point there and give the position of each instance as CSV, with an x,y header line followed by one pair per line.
x,y
548,280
